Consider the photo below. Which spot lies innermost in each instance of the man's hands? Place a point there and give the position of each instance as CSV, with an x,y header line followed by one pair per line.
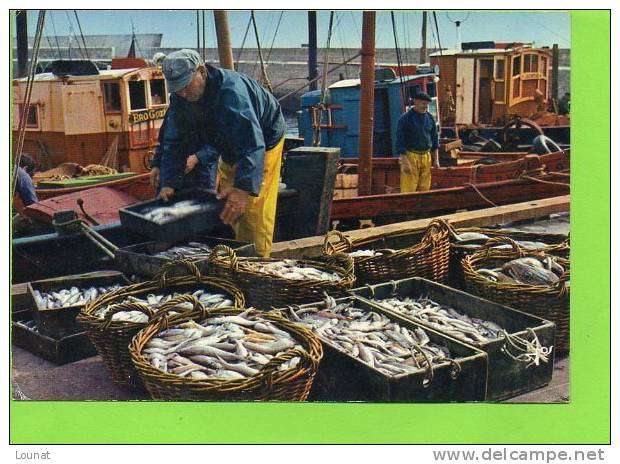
x,y
154,179
406,165
192,162
236,202
166,193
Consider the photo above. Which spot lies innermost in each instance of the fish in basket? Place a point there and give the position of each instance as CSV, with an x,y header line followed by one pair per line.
x,y
536,283
272,283
375,262
226,354
111,322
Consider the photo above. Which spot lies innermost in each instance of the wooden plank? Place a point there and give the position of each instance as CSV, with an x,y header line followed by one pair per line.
x,y
530,210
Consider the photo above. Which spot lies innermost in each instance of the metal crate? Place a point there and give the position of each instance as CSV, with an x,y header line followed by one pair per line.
x,y
60,322
132,217
138,259
507,377
342,377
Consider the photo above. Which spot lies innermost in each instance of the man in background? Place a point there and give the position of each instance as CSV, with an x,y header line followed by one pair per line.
x,y
417,145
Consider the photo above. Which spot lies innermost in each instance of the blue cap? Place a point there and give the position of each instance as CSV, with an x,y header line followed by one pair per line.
x,y
179,68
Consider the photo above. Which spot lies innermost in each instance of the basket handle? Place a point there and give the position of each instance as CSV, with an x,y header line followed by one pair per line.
x,y
118,308
349,263
561,283
438,227
174,303
162,274
329,248
503,240
270,369
226,250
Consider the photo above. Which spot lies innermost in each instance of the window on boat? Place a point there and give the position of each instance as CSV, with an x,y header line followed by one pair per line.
x,y
530,63
137,95
32,118
499,69
111,97
158,92
543,65
516,66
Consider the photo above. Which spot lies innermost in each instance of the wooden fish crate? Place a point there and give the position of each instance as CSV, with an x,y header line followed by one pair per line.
x,y
342,377
138,259
60,350
60,322
132,217
506,377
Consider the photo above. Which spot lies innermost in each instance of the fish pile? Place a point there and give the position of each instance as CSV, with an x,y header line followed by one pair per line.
x,y
221,347
290,269
473,240
162,214
193,250
70,297
210,300
529,271
443,318
369,253
372,338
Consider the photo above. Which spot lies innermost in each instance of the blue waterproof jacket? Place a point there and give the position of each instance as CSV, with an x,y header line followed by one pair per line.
x,y
236,119
416,131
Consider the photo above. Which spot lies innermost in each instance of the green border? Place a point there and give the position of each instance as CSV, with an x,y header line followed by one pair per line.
x,y
585,420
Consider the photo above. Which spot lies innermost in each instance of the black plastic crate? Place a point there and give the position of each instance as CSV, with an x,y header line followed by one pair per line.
x,y
507,377
132,217
138,259
60,350
60,322
341,377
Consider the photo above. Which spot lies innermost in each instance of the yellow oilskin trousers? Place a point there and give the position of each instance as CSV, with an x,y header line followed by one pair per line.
x,y
257,224
419,178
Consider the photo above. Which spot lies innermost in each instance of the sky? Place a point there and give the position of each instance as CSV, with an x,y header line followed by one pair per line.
x,y
179,27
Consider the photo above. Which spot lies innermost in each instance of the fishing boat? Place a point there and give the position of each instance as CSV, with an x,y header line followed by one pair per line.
x,y
80,114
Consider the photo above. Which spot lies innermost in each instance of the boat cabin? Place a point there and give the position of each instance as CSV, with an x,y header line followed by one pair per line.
x,y
79,114
339,121
488,82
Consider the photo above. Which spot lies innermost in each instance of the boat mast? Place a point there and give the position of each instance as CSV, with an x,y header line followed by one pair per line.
x,y
423,56
313,72
224,48
21,21
367,103
555,66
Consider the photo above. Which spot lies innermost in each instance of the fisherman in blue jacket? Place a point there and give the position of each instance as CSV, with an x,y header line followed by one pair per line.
x,y
416,139
231,116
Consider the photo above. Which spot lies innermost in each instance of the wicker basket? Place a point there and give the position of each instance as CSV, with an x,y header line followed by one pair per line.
x,y
111,338
548,302
269,383
558,244
429,258
265,291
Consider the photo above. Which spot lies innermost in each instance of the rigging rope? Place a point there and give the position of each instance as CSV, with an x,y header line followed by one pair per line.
x,y
316,140
55,34
263,70
81,33
399,62
438,38
21,129
245,36
72,35
274,35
